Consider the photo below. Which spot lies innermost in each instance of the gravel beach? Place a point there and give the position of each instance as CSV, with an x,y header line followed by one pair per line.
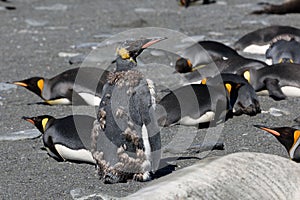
x,y
39,36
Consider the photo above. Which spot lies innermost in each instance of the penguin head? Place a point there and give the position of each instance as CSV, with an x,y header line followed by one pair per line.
x,y
34,84
183,65
131,49
283,50
40,122
288,137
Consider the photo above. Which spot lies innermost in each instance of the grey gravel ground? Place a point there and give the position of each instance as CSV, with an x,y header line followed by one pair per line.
x,y
33,35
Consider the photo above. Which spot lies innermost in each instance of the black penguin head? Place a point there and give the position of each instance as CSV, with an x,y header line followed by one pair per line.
x,y
183,65
34,84
283,50
40,122
287,136
131,49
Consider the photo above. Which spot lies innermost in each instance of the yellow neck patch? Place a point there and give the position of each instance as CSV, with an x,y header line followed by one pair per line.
x,y
123,53
228,87
296,136
40,84
203,81
189,63
44,123
247,76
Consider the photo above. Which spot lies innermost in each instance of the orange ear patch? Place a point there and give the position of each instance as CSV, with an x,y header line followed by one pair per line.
x,y
296,136
40,84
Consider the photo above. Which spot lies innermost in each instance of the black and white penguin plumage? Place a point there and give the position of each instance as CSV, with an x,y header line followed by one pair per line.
x,y
259,41
279,81
67,138
288,137
69,87
284,50
126,138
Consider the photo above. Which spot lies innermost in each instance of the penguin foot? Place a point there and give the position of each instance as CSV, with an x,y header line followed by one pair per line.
x,y
142,176
111,178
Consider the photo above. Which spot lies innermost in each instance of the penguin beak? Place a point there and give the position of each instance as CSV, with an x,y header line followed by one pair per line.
x,y
20,84
152,41
273,132
28,119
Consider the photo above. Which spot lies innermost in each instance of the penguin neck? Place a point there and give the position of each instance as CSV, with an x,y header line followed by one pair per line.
x,y
295,151
124,64
45,92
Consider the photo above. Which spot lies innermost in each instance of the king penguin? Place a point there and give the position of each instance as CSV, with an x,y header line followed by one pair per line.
x,y
246,101
288,137
284,51
198,104
279,81
64,138
69,87
126,139
259,41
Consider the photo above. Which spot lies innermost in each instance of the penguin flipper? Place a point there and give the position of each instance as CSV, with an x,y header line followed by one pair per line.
x,y
274,89
51,154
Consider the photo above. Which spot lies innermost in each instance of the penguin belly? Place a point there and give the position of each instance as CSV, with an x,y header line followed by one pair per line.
x,y
291,91
82,155
189,121
61,101
256,49
90,99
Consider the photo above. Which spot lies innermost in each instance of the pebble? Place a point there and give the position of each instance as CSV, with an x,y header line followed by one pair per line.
x,y
7,86
55,7
20,135
65,54
32,22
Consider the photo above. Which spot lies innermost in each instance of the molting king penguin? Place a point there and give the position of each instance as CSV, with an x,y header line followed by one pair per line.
x,y
126,140
78,86
288,137
64,138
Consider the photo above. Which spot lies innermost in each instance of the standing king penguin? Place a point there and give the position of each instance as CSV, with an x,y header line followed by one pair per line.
x,y
126,138
288,137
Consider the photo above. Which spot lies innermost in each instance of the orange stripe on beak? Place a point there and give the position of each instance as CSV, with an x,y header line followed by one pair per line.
x,y
270,131
151,42
29,120
20,84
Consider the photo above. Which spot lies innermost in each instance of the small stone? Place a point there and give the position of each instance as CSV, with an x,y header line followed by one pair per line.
x,y
20,135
